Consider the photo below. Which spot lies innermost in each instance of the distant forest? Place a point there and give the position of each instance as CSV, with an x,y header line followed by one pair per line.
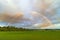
x,y
13,28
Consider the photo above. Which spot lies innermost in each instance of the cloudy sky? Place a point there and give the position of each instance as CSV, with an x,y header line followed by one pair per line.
x,y
29,12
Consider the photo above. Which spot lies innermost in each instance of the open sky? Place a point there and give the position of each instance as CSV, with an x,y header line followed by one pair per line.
x,y
29,12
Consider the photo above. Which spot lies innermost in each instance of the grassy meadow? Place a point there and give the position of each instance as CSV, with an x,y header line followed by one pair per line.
x,y
30,35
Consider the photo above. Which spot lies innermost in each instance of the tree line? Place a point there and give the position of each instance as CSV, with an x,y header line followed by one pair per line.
x,y
13,28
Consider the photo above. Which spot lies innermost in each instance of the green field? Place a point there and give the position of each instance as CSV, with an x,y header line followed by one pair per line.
x,y
30,35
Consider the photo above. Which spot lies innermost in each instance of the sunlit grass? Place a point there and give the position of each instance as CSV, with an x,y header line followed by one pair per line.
x,y
30,35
